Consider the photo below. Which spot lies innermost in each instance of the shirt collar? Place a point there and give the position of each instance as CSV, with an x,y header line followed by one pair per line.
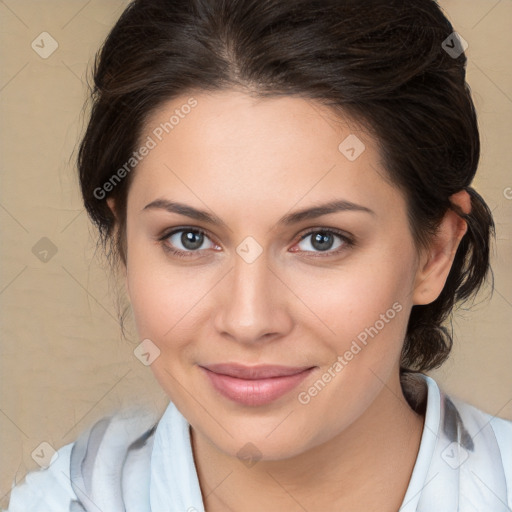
x,y
458,466
419,481
173,472
440,477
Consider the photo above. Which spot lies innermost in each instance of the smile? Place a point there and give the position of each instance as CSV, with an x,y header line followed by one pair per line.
x,y
254,386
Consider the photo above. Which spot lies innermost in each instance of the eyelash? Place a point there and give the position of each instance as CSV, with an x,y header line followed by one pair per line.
x,y
348,241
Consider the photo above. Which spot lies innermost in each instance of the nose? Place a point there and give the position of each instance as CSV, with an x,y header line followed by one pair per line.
x,y
252,303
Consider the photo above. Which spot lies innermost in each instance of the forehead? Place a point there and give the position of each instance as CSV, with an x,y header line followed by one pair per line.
x,y
239,122
242,149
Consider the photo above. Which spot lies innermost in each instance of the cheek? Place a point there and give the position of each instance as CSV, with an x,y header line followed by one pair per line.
x,y
367,314
368,295
164,300
162,296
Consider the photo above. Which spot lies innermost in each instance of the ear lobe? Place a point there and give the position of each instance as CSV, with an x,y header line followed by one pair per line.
x,y
112,205
435,264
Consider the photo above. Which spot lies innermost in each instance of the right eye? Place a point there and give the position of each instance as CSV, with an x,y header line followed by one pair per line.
x,y
191,240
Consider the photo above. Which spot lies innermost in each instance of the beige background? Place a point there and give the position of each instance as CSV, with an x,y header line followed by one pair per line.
x,y
63,361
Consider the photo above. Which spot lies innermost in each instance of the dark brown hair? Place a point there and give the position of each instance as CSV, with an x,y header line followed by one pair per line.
x,y
383,63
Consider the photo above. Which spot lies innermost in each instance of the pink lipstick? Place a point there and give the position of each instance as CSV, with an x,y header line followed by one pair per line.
x,y
254,385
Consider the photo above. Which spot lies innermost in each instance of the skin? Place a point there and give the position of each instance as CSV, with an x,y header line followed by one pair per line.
x,y
249,162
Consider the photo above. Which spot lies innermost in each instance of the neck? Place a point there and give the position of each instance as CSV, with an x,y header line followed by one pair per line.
x,y
365,467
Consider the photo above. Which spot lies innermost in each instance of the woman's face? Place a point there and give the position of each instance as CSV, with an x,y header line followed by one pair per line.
x,y
250,291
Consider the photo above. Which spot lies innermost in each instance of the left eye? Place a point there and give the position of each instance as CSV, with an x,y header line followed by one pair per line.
x,y
323,240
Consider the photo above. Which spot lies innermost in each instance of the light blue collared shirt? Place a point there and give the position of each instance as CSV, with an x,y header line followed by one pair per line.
x,y
121,464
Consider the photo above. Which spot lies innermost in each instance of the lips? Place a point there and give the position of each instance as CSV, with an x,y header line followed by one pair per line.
x,y
254,372
254,385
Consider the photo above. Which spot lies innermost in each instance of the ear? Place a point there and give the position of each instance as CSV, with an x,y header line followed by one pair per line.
x,y
436,262
112,205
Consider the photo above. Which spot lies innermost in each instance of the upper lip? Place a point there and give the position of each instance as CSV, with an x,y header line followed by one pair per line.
x,y
255,372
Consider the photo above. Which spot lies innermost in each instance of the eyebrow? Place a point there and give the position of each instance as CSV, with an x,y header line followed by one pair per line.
x,y
287,220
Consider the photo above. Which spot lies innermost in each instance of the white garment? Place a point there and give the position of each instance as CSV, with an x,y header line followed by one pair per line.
x,y
464,464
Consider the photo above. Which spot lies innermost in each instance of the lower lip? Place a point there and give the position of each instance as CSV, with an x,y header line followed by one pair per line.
x,y
255,392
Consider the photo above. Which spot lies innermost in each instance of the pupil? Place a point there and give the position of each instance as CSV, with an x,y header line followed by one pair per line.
x,y
322,241
187,239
